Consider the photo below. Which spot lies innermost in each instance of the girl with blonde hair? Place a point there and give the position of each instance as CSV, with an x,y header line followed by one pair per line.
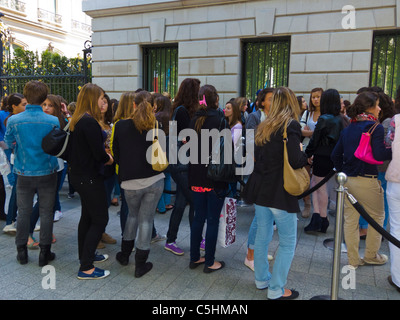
x,y
265,189
141,184
86,158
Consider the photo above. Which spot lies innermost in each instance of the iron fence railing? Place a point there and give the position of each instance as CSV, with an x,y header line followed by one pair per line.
x,y
160,69
385,64
265,64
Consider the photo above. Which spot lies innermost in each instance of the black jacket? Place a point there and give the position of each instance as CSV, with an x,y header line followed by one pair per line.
x,y
87,154
129,149
265,184
326,135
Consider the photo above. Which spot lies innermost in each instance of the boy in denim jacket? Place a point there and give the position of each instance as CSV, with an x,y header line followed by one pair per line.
x,y
36,170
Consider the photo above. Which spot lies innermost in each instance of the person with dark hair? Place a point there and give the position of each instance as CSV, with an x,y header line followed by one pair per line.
x,y
163,107
385,116
106,122
308,122
362,178
302,105
264,99
208,195
17,104
326,134
184,107
37,171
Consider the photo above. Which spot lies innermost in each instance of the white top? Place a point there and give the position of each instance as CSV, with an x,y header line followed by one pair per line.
x,y
310,123
137,184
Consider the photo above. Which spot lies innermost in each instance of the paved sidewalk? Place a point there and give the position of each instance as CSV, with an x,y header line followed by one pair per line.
x,y
171,278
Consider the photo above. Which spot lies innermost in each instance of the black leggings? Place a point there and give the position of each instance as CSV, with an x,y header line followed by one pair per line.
x,y
94,217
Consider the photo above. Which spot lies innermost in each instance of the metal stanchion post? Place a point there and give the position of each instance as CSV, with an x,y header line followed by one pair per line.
x,y
341,179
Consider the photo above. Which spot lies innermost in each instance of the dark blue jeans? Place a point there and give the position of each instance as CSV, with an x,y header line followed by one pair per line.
x,y
12,203
45,187
183,197
207,206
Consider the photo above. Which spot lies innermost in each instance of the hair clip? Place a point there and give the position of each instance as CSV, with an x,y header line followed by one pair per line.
x,y
203,101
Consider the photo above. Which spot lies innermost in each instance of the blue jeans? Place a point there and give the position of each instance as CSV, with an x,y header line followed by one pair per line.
x,y
12,203
208,206
165,197
287,230
142,205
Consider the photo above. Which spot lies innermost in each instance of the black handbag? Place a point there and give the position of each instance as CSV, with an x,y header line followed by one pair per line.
x,y
56,141
219,168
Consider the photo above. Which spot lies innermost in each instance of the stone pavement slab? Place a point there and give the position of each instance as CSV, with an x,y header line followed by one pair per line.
x,y
171,278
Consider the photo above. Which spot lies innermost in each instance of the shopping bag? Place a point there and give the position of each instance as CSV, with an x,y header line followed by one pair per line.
x,y
227,223
4,164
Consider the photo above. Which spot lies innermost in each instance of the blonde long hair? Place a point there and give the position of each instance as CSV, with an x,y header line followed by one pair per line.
x,y
143,116
125,106
284,107
87,102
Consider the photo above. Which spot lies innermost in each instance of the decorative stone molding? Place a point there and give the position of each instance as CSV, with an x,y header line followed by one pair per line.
x,y
157,30
265,21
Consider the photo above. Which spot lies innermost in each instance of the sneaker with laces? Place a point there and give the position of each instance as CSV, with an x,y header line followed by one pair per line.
x,y
172,247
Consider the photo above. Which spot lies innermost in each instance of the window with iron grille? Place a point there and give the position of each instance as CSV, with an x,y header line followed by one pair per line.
x,y
265,64
385,65
160,69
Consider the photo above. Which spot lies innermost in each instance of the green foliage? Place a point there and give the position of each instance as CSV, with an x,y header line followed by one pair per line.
x,y
26,63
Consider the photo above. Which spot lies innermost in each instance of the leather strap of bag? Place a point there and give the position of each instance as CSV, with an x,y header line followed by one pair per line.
x,y
66,129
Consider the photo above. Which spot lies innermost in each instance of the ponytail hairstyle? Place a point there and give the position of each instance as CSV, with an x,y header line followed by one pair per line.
x,y
208,98
362,103
12,100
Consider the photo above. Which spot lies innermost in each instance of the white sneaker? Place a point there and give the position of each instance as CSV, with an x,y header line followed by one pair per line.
x,y
57,215
37,227
10,228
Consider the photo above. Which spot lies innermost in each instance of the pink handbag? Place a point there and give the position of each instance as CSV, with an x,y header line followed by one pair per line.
x,y
364,150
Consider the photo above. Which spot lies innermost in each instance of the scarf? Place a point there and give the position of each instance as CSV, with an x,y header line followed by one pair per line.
x,y
364,117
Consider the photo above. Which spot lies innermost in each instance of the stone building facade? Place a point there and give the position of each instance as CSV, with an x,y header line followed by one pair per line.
x,y
42,24
331,41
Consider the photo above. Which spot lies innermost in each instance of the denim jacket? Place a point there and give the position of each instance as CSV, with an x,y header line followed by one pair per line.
x,y
24,134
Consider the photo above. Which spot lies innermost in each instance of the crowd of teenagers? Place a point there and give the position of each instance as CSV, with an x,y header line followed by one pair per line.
x,y
106,162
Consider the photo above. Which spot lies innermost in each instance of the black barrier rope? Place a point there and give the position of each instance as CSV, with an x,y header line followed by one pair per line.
x,y
360,209
318,185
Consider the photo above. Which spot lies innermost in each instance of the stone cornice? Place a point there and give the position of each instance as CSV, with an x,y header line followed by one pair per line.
x,y
104,8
